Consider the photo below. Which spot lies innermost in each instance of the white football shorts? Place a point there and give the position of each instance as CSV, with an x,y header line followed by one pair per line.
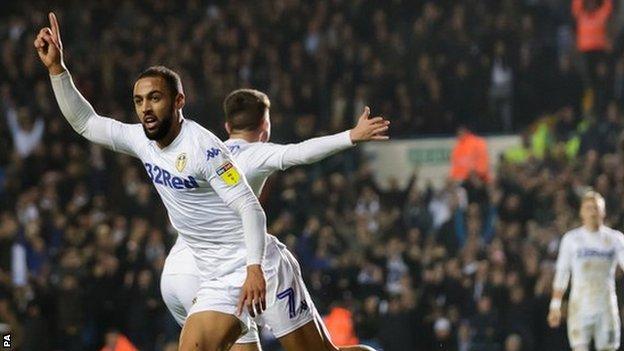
x,y
289,305
179,292
604,328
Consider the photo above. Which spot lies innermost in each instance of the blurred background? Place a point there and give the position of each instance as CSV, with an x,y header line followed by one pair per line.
x,y
503,112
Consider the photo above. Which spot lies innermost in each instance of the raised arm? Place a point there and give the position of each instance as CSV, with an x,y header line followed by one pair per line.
x,y
11,118
577,7
605,10
38,128
76,109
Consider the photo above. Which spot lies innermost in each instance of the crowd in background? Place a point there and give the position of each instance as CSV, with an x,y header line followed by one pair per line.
x,y
466,267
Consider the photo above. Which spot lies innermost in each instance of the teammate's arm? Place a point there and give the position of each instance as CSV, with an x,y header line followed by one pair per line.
x,y
560,283
76,109
316,149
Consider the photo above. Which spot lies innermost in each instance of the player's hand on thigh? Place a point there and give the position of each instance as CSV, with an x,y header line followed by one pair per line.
x,y
554,318
253,293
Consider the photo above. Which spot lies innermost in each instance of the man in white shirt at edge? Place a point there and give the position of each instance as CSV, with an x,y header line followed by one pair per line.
x,y
208,201
249,126
590,254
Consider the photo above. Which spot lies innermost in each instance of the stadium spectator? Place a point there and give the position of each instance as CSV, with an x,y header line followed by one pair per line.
x,y
470,154
340,325
501,89
27,135
443,338
513,343
591,36
116,341
591,20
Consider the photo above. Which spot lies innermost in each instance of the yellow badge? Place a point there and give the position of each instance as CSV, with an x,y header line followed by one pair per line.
x,y
181,162
228,173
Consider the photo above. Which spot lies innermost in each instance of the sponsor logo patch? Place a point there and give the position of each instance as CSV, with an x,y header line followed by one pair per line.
x,y
228,173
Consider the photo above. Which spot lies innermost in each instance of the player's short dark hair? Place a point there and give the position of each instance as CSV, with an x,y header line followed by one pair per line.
x,y
171,77
244,109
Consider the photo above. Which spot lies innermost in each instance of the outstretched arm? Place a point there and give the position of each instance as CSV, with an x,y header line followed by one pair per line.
x,y
314,150
76,109
317,149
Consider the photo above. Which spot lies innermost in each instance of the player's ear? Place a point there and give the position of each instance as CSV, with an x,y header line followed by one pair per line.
x,y
180,100
266,129
264,136
228,129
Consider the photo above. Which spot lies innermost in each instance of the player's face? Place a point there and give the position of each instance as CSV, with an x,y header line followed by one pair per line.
x,y
591,212
154,104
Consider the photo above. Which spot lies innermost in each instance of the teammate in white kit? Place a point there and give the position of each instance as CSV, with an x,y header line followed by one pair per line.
x,y
589,254
249,126
208,201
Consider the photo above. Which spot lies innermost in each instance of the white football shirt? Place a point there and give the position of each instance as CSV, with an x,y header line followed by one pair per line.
x,y
258,161
591,260
195,177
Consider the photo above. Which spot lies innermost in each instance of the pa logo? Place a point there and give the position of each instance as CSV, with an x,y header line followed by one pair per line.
x,y
6,341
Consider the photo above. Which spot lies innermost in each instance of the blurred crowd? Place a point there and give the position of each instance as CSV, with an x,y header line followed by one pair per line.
x,y
466,267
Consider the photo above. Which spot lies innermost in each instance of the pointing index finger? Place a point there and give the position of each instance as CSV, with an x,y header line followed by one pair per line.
x,y
55,27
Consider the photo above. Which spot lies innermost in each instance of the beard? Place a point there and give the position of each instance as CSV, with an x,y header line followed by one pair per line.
x,y
162,129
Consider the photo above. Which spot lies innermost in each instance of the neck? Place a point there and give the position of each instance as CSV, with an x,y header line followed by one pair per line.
x,y
593,227
176,126
248,136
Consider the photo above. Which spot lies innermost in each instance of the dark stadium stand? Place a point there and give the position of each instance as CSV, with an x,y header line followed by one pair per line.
x,y
466,267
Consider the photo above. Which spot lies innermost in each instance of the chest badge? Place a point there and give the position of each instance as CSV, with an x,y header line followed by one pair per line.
x,y
181,162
